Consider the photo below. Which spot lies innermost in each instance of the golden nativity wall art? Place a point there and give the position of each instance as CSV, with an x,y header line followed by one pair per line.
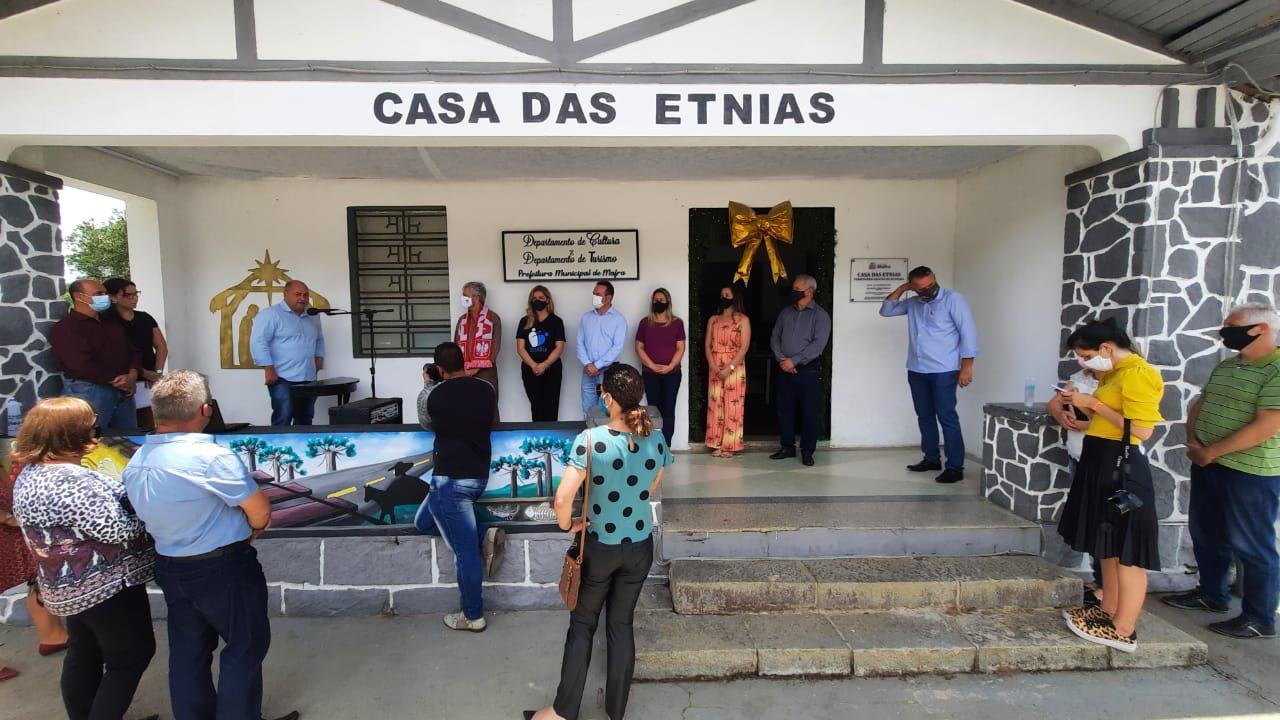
x,y
262,287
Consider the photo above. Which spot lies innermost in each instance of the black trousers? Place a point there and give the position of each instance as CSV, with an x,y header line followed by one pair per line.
x,y
802,390
612,578
661,390
543,391
109,646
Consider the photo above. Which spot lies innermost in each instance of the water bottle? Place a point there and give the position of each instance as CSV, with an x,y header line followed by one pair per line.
x,y
13,411
1029,395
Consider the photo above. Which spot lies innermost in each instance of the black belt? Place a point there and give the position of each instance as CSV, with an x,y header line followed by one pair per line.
x,y
220,552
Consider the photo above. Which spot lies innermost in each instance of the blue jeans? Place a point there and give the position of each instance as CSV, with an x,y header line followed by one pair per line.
x,y
285,409
1233,514
804,388
114,409
934,397
589,396
449,512
223,597
661,391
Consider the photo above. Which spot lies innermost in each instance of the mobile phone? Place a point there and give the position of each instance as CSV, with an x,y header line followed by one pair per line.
x,y
1061,389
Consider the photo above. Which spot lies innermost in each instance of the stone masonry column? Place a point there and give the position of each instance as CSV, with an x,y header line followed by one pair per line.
x,y
31,283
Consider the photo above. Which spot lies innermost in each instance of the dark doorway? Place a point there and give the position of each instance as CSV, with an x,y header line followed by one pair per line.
x,y
712,263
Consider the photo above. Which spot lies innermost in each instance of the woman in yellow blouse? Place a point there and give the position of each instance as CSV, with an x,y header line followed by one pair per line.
x,y
1125,541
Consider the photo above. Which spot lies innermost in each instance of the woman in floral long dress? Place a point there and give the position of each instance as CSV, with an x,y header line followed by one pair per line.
x,y
728,337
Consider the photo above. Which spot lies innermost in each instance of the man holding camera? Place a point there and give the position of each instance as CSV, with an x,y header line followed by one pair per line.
x,y
461,409
1233,441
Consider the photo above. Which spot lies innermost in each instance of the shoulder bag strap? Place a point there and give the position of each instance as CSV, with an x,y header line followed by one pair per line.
x,y
1122,460
586,498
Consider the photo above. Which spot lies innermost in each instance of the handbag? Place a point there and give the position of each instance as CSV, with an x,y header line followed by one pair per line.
x,y
571,572
1123,500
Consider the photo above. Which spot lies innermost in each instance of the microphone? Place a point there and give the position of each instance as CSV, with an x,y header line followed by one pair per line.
x,y
326,311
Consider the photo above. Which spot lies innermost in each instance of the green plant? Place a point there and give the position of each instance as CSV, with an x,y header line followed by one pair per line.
x,y
99,250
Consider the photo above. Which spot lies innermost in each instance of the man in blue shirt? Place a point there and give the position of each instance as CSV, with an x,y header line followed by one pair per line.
x,y
602,333
203,509
289,345
942,345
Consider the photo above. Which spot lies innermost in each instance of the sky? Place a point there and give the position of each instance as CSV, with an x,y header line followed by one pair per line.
x,y
81,205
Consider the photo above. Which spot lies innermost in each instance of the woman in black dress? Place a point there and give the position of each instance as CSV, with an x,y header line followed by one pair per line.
x,y
1121,531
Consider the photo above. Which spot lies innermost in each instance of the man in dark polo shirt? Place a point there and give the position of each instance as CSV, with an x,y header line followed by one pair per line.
x,y
462,410
1233,442
99,364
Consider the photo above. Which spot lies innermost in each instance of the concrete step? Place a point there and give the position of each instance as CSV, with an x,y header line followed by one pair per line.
x,y
674,647
720,587
842,527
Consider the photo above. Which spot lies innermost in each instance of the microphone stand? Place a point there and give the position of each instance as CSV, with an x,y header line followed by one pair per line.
x,y
373,351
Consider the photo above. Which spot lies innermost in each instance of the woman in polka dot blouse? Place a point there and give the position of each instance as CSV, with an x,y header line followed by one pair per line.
x,y
627,462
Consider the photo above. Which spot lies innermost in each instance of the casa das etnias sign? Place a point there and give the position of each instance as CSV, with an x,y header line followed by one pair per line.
x,y
553,255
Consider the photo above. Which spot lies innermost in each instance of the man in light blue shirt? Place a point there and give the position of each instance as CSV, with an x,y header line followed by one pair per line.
x,y
602,333
942,345
203,509
289,345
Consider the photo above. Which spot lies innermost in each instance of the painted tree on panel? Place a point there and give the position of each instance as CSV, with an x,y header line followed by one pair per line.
x,y
249,448
518,466
329,448
548,450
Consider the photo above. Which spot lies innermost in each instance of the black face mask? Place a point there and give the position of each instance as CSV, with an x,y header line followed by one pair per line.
x,y
1237,338
797,296
538,305
929,293
659,308
724,304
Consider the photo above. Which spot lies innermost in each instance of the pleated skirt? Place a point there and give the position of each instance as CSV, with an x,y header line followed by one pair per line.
x,y
1090,524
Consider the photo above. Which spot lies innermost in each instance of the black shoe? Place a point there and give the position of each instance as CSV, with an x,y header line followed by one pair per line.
x,y
1195,600
1091,599
783,454
528,714
1240,627
949,476
806,459
292,715
925,465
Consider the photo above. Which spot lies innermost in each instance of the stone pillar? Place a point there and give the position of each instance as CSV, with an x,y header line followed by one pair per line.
x,y
31,283
1165,240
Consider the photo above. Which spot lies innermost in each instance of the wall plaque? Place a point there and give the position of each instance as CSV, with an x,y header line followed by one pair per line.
x,y
553,255
871,279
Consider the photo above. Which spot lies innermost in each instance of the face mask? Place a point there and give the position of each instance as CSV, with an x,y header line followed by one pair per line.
x,y
1097,363
597,301
604,407
929,293
724,304
466,302
659,308
538,305
1237,338
797,296
99,303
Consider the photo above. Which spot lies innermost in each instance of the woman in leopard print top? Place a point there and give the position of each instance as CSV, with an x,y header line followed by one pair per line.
x,y
93,558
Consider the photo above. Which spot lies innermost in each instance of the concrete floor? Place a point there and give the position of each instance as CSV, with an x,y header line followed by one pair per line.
x,y
402,668
835,473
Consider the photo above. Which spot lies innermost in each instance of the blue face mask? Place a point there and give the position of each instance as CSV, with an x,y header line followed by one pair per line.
x,y
604,409
100,303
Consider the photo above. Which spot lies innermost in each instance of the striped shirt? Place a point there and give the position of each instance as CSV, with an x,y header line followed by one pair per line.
x,y
1236,391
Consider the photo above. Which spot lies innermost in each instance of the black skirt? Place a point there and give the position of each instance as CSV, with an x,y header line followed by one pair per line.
x,y
1090,524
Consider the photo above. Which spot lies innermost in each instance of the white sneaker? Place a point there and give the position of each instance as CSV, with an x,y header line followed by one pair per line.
x,y
458,621
495,545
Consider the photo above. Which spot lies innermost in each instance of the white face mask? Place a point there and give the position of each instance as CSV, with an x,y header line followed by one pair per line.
x,y
597,301
466,302
1097,363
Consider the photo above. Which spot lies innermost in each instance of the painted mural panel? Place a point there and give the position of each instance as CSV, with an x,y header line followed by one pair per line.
x,y
334,479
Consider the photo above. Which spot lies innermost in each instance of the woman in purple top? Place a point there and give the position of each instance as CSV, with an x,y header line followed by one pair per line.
x,y
660,344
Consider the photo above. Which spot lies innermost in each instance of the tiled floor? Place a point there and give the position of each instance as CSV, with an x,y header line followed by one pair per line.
x,y
837,473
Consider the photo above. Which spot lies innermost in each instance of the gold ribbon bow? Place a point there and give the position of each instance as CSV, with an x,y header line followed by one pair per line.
x,y
747,228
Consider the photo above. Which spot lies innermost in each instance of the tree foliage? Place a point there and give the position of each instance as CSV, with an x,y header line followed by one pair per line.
x,y
99,250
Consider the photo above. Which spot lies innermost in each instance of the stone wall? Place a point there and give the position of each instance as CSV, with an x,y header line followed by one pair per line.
x,y
398,575
31,283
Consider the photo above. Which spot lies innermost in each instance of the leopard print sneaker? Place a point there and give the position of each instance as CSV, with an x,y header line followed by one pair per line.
x,y
1103,632
1088,613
